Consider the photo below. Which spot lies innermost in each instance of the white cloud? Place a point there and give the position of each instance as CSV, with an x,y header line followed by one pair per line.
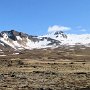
x,y
83,30
80,28
58,28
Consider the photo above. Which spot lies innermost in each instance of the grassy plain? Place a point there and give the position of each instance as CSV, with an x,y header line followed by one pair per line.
x,y
66,68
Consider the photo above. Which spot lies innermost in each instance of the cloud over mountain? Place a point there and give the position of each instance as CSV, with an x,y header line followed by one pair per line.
x,y
55,28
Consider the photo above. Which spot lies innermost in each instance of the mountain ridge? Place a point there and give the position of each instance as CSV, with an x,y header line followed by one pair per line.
x,y
19,40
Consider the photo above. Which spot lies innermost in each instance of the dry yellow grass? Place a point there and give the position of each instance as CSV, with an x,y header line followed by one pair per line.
x,y
45,70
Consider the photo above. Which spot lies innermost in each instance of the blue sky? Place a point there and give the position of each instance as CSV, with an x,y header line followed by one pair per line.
x,y
38,17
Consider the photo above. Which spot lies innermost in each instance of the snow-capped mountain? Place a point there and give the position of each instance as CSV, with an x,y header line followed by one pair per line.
x,y
70,39
18,40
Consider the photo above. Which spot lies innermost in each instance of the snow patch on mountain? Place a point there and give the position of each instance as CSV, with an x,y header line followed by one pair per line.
x,y
19,40
70,39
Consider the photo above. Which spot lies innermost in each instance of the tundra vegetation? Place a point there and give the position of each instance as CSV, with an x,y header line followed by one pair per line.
x,y
61,68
